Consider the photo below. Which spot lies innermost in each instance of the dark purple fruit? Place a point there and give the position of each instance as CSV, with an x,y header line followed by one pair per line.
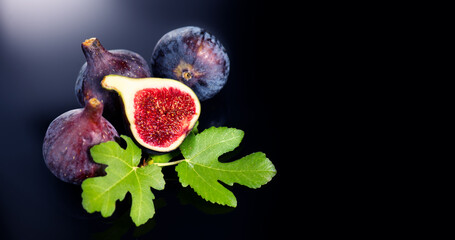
x,y
101,62
68,141
193,56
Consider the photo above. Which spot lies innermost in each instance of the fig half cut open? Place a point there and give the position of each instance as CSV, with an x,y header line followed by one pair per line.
x,y
160,112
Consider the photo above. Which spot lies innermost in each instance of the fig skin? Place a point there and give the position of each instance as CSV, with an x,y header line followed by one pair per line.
x,y
194,57
101,62
68,141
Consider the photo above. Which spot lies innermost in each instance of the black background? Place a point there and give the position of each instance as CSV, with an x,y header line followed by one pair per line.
x,y
40,57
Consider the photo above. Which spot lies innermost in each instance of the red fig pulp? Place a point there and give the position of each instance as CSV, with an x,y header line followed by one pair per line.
x,y
162,115
68,141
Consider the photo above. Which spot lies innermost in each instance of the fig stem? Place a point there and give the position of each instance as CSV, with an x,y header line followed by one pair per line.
x,y
93,109
169,163
93,51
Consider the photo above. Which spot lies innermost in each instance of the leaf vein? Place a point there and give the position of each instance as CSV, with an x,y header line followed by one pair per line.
x,y
213,145
115,157
140,193
208,183
113,185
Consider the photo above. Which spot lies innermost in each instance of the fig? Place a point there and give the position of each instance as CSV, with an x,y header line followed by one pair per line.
x,y
160,112
69,138
101,62
194,57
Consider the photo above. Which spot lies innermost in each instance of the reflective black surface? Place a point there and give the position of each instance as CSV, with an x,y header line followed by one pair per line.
x,y
40,57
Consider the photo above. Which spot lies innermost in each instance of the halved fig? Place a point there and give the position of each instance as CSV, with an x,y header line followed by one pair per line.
x,y
161,112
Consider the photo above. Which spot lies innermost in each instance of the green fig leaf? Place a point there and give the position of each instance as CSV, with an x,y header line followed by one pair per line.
x,y
202,171
122,176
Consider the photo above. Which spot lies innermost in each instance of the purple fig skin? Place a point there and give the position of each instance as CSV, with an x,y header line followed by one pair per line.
x,y
68,141
194,57
101,62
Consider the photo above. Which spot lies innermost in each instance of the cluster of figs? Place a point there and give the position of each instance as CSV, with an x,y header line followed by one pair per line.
x,y
157,104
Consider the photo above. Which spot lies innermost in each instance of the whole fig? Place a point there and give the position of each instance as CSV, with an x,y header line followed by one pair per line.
x,y
68,141
101,62
194,57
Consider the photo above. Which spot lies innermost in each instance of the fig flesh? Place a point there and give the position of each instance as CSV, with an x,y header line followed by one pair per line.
x,y
69,138
194,57
101,62
160,112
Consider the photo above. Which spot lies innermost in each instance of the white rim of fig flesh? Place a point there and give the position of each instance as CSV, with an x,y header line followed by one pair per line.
x,y
127,88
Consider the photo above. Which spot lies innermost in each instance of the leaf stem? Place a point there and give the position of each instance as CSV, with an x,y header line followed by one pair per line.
x,y
169,163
